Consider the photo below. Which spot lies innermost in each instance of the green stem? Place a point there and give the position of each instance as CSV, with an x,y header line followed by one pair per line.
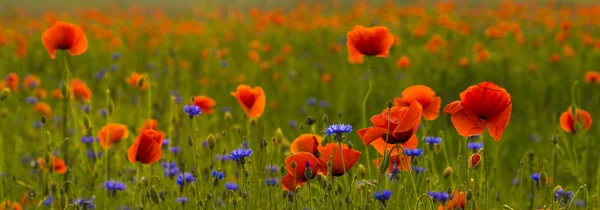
x,y
364,107
137,180
485,176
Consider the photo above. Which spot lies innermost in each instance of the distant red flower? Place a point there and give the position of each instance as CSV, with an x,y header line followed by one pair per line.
x,y
64,36
205,103
339,166
374,41
592,77
58,164
483,105
134,80
568,122
112,133
43,109
10,205
12,80
306,143
458,200
425,96
403,124
146,148
403,62
252,100
80,90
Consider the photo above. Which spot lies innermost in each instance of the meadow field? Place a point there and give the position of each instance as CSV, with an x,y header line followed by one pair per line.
x,y
299,105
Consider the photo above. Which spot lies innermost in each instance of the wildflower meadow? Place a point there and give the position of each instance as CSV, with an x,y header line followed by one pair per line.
x,y
299,104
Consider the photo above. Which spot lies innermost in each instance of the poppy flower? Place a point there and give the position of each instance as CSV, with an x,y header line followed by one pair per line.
x,y
31,81
134,80
59,165
43,109
56,94
463,61
80,90
403,62
302,162
568,123
458,200
9,205
374,41
146,147
205,103
12,80
40,93
112,133
64,36
425,96
339,165
403,124
252,100
149,124
483,105
306,143
592,77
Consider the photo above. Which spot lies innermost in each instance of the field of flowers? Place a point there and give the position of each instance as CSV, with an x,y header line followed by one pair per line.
x,y
307,105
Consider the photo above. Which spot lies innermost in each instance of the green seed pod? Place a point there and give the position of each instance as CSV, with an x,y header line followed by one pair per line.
x,y
385,163
448,172
362,172
228,117
140,83
86,121
4,94
211,141
325,117
111,107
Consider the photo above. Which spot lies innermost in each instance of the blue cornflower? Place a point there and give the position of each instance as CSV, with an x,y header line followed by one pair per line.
x,y
271,182
100,74
440,196
535,177
224,64
204,143
272,168
92,155
562,196
418,169
103,112
218,174
182,200
416,152
175,149
323,104
170,169
579,203
37,124
240,154
432,140
48,201
116,56
293,123
184,178
86,108
226,109
394,172
311,101
192,110
114,186
87,139
89,204
165,142
114,68
32,100
382,195
222,157
231,186
338,129
475,145
245,145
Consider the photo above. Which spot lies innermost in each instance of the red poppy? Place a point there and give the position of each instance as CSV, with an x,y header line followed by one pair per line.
x,y
403,62
31,81
458,200
134,80
339,165
297,175
12,80
59,165
149,124
43,109
205,103
146,147
403,124
9,205
252,100
592,77
40,93
80,90
568,123
483,105
112,133
375,41
64,36
425,96
56,94
306,143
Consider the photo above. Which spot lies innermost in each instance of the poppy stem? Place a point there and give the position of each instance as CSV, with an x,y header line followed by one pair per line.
x,y
485,176
310,194
135,190
364,106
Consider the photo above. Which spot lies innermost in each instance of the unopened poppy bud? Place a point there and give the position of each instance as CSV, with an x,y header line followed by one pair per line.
x,y
469,195
228,117
263,143
190,141
543,179
362,172
555,139
86,121
310,120
385,163
448,172
211,141
449,190
301,126
43,119
340,114
390,104
325,117
4,94
140,83
224,133
474,161
64,90
253,122
428,180
282,168
293,164
308,173
111,107
350,145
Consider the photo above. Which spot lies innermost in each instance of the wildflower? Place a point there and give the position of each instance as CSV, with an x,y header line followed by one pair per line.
x,y
483,105
48,201
458,200
416,152
535,177
170,169
432,140
306,143
475,145
205,103
185,178
58,164
64,36
112,133
240,154
252,100
43,109
12,205
331,153
100,74
403,124
568,122
418,169
86,108
137,80
323,104
293,123
592,77
103,112
231,186
272,168
222,157
31,81
116,56
271,182
311,101
114,186
80,90
146,147
425,96
92,155
382,196
85,204
175,150
440,196
181,200
245,145
338,129
296,170
32,99
192,110
375,41
403,62
165,143
217,174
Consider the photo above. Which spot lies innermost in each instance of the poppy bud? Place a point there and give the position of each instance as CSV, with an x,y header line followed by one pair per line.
x,y
190,141
64,90
449,190
228,117
282,168
4,94
263,143
448,172
385,163
224,133
253,122
140,83
469,195
325,117
211,141
390,104
474,161
111,107
310,120
350,145
340,114
555,139
428,180
43,119
301,126
293,164
86,121
544,180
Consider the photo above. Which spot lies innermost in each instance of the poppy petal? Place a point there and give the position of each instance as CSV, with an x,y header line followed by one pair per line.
x,y
300,159
409,123
453,107
467,123
132,152
498,123
433,110
259,104
287,182
375,133
306,143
